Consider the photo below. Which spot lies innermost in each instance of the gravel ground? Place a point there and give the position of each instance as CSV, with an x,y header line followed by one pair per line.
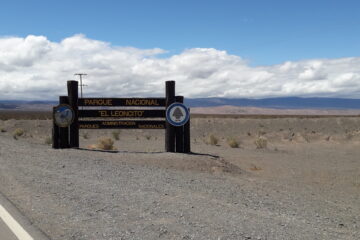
x,y
80,194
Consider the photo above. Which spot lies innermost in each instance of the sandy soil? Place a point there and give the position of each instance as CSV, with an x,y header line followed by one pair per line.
x,y
304,185
227,109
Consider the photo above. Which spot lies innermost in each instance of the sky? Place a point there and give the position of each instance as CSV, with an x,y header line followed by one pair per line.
x,y
212,48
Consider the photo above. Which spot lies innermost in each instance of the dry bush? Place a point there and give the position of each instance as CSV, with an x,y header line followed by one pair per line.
x,y
85,135
116,134
255,168
260,143
92,146
18,133
261,133
232,143
213,140
48,140
3,130
148,137
106,143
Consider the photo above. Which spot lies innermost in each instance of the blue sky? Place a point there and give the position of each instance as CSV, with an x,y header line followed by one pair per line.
x,y
262,32
212,48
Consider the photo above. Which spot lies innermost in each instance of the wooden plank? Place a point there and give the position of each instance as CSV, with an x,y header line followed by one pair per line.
x,y
122,113
122,124
124,102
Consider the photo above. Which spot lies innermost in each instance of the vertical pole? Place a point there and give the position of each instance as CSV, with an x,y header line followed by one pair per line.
x,y
73,102
63,131
81,85
187,143
179,131
170,129
55,133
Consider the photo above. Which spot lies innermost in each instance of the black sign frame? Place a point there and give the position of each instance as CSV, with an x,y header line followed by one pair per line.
x,y
177,138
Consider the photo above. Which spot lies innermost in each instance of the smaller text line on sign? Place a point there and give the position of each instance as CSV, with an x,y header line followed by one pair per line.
x,y
122,124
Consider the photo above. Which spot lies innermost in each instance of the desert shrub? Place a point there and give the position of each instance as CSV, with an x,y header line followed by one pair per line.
x,y
106,143
18,133
255,168
116,134
92,146
261,143
261,133
213,140
85,135
148,137
2,130
48,140
232,143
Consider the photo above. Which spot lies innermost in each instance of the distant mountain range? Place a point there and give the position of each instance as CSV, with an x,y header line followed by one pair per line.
x,y
27,105
275,103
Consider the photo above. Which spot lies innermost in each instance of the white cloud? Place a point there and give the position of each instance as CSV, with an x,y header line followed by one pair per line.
x,y
36,68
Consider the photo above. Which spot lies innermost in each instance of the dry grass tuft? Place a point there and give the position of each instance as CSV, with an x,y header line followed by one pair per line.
x,y
92,146
255,168
48,140
85,135
261,133
213,140
116,134
260,143
106,143
18,133
232,143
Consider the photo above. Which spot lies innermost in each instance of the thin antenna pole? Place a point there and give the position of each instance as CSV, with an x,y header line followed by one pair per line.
x,y
81,85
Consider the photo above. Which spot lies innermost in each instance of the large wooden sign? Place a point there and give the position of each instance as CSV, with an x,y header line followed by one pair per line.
x,y
124,113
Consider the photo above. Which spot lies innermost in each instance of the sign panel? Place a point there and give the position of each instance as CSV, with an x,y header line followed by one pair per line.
x,y
63,115
122,124
122,113
134,102
177,114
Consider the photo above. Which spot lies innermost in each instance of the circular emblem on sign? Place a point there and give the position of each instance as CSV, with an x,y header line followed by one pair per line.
x,y
177,114
63,115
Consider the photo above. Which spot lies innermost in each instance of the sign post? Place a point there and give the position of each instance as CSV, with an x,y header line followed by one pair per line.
x,y
73,102
170,130
178,115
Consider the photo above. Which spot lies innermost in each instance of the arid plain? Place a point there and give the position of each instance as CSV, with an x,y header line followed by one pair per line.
x,y
249,177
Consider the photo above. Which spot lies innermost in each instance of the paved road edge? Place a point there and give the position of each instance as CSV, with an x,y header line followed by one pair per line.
x,y
30,228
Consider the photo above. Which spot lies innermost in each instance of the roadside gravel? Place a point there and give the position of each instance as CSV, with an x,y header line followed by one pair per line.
x,y
78,194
